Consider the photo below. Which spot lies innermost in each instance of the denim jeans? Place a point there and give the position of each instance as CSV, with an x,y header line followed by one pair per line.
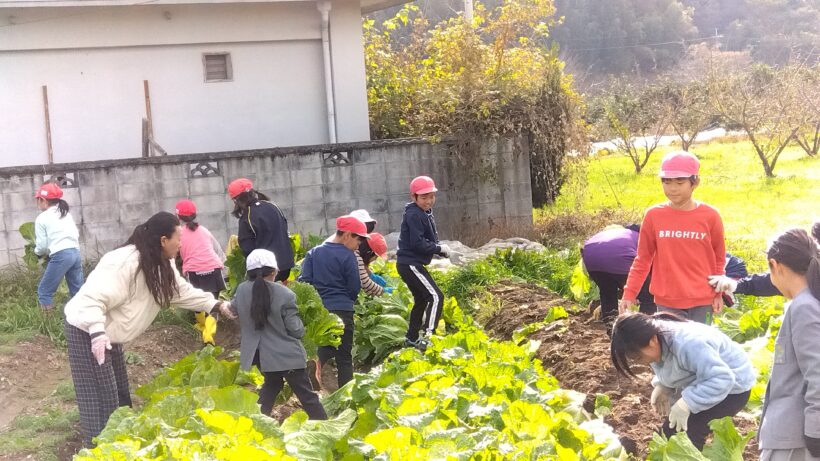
x,y
64,263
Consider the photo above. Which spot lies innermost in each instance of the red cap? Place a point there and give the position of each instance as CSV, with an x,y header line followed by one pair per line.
x,y
679,164
185,207
422,185
237,186
378,244
49,191
348,223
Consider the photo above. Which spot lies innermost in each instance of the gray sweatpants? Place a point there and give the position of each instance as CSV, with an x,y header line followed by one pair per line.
x,y
701,314
795,454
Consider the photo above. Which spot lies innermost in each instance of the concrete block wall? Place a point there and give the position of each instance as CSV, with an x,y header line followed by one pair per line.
x,y
311,184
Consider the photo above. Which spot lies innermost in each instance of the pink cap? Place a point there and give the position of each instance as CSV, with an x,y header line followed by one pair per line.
x,y
238,186
679,164
185,207
49,191
348,223
422,185
378,244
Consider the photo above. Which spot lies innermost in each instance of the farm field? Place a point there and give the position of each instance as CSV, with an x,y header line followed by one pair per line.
x,y
520,371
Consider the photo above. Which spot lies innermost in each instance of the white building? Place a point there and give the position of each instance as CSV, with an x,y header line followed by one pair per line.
x,y
220,75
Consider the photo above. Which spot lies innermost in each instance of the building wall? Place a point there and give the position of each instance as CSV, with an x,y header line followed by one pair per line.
x,y
313,185
94,61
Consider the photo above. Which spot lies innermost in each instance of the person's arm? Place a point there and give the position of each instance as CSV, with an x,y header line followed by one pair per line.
x,y
718,246
804,332
713,377
351,274
643,260
190,298
246,233
416,241
217,247
757,285
306,274
107,287
290,316
368,285
40,237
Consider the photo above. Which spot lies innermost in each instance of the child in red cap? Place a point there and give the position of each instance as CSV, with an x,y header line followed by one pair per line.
x,y
333,270
418,243
202,256
56,237
682,241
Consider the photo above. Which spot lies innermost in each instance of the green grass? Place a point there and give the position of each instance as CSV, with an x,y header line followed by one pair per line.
x,y
754,208
40,434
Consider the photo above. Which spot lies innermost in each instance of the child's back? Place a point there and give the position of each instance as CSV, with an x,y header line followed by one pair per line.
x,y
198,250
333,270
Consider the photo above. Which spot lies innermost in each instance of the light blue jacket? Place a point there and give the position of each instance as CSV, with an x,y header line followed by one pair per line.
x,y
702,363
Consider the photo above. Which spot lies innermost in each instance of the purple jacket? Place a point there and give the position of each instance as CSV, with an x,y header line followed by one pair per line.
x,y
610,251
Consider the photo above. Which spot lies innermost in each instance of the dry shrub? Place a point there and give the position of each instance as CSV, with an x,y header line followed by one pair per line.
x,y
564,229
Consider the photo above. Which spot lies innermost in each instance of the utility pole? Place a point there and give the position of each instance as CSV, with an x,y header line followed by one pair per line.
x,y
468,12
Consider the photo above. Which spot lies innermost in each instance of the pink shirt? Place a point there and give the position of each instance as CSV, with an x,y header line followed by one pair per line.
x,y
198,250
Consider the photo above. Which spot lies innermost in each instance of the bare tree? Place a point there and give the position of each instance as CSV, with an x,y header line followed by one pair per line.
x,y
761,101
808,109
687,107
636,119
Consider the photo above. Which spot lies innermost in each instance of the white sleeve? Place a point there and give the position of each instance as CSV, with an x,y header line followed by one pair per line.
x,y
106,288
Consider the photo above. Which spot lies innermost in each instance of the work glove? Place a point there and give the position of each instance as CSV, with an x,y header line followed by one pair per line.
x,y
723,283
225,309
813,445
100,344
625,305
679,416
380,281
445,250
660,399
388,290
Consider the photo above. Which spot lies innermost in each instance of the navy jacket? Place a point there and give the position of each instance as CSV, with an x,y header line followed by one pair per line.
x,y
418,239
264,226
757,285
333,270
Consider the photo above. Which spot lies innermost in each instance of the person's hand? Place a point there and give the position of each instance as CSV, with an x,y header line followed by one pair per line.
x,y
717,304
100,344
723,283
225,309
679,416
624,305
813,445
388,290
445,250
660,399
378,279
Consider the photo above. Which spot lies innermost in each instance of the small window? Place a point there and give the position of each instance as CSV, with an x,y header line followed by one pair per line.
x,y
217,67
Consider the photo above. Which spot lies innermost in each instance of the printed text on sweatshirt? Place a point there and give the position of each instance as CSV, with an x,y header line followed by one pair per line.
x,y
682,248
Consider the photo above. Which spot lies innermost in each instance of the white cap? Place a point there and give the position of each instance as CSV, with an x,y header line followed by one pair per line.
x,y
362,215
261,258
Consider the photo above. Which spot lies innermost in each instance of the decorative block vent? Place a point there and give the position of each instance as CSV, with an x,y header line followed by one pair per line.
x,y
64,180
203,169
336,158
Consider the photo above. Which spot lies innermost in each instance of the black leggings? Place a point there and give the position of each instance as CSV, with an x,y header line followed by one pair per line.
x,y
299,384
344,353
698,423
611,287
428,300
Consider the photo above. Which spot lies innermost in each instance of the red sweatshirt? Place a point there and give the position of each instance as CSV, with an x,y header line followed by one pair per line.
x,y
682,248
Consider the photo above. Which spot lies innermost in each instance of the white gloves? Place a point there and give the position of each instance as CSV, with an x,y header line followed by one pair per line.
x,y
100,344
679,416
225,309
660,399
445,250
723,283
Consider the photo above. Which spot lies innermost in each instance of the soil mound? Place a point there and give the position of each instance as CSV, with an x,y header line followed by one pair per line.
x,y
577,354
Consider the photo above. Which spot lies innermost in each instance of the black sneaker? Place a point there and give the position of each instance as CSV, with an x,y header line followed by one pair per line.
x,y
420,344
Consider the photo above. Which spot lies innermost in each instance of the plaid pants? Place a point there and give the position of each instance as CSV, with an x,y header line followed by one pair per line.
x,y
100,389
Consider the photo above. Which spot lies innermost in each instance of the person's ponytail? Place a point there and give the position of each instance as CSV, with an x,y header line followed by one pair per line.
x,y
62,206
813,277
260,296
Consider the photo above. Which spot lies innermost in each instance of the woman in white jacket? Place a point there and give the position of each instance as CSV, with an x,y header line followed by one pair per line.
x,y
118,302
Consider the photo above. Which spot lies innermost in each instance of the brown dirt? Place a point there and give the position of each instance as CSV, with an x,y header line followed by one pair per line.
x,y
576,352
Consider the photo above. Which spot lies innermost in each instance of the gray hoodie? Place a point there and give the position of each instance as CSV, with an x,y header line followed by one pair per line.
x,y
792,405
703,363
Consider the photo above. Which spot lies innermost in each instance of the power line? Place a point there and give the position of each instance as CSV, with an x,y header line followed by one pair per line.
x,y
677,42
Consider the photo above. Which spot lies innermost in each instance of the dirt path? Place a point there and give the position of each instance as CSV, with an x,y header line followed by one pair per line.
x,y
578,356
